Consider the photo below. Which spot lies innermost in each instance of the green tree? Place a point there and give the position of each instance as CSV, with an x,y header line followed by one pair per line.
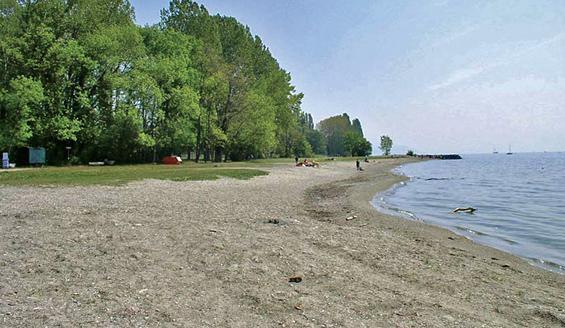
x,y
19,105
236,67
334,130
357,145
125,137
356,126
80,73
252,133
170,64
386,145
317,141
193,20
343,136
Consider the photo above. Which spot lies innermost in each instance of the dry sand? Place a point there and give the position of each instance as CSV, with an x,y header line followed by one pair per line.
x,y
203,254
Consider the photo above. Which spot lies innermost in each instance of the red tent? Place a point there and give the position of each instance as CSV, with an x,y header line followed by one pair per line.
x,y
172,160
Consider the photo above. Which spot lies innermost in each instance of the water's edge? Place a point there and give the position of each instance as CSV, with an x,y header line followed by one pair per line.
x,y
379,203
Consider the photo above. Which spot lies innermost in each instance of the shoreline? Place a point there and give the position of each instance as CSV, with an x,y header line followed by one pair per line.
x,y
497,282
221,253
400,213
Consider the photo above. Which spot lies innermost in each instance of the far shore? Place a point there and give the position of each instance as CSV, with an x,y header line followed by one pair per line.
x,y
222,253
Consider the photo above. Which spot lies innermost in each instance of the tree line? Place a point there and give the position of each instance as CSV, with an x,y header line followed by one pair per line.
x,y
82,74
343,136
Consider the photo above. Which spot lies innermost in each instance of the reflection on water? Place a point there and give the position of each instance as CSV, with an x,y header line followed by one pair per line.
x,y
520,201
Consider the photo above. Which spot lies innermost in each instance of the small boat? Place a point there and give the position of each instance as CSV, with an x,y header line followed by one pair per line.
x,y
509,150
494,151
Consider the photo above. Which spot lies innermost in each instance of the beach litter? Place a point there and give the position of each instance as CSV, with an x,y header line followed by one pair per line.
x,y
295,279
277,222
349,218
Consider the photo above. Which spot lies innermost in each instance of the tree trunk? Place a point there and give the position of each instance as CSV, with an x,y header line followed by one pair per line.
x,y
198,141
218,155
197,154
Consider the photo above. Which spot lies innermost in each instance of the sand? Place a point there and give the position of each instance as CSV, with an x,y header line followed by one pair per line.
x,y
220,254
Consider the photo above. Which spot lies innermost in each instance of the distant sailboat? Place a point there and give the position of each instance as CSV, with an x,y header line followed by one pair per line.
x,y
509,150
494,151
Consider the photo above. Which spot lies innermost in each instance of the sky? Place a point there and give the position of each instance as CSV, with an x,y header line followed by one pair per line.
x,y
437,76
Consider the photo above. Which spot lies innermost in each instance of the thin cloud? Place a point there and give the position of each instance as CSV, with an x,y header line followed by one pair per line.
x,y
454,36
458,76
464,74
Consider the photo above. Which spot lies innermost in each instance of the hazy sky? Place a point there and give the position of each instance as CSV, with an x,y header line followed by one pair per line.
x,y
437,76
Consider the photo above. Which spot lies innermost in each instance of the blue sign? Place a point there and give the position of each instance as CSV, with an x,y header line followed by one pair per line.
x,y
36,155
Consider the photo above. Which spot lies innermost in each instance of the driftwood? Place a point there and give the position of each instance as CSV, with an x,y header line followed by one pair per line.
x,y
469,210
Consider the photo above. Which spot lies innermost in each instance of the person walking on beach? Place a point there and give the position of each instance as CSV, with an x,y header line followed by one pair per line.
x,y
358,164
296,159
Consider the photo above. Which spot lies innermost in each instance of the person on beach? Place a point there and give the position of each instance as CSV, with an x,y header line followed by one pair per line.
x,y
358,164
296,159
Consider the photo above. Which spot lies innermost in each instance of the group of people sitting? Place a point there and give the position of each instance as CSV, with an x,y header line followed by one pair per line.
x,y
306,163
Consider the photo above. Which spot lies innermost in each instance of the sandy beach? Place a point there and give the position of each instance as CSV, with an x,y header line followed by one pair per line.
x,y
220,254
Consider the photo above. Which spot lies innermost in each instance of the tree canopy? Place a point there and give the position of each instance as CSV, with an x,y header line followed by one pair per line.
x,y
82,74
344,137
386,145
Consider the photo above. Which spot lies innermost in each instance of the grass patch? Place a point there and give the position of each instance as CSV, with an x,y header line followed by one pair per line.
x,y
119,175
122,174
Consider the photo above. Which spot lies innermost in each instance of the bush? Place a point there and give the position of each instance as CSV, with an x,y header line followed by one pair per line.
x,y
75,160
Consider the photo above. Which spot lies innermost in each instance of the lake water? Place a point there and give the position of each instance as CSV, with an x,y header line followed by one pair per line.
x,y
520,201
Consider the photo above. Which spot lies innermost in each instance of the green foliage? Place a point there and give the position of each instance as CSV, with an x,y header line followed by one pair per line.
x,y
317,141
249,108
410,153
19,105
356,126
80,73
357,145
344,137
334,129
124,134
252,132
386,145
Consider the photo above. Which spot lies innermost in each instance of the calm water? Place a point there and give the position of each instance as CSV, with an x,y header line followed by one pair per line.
x,y
520,201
